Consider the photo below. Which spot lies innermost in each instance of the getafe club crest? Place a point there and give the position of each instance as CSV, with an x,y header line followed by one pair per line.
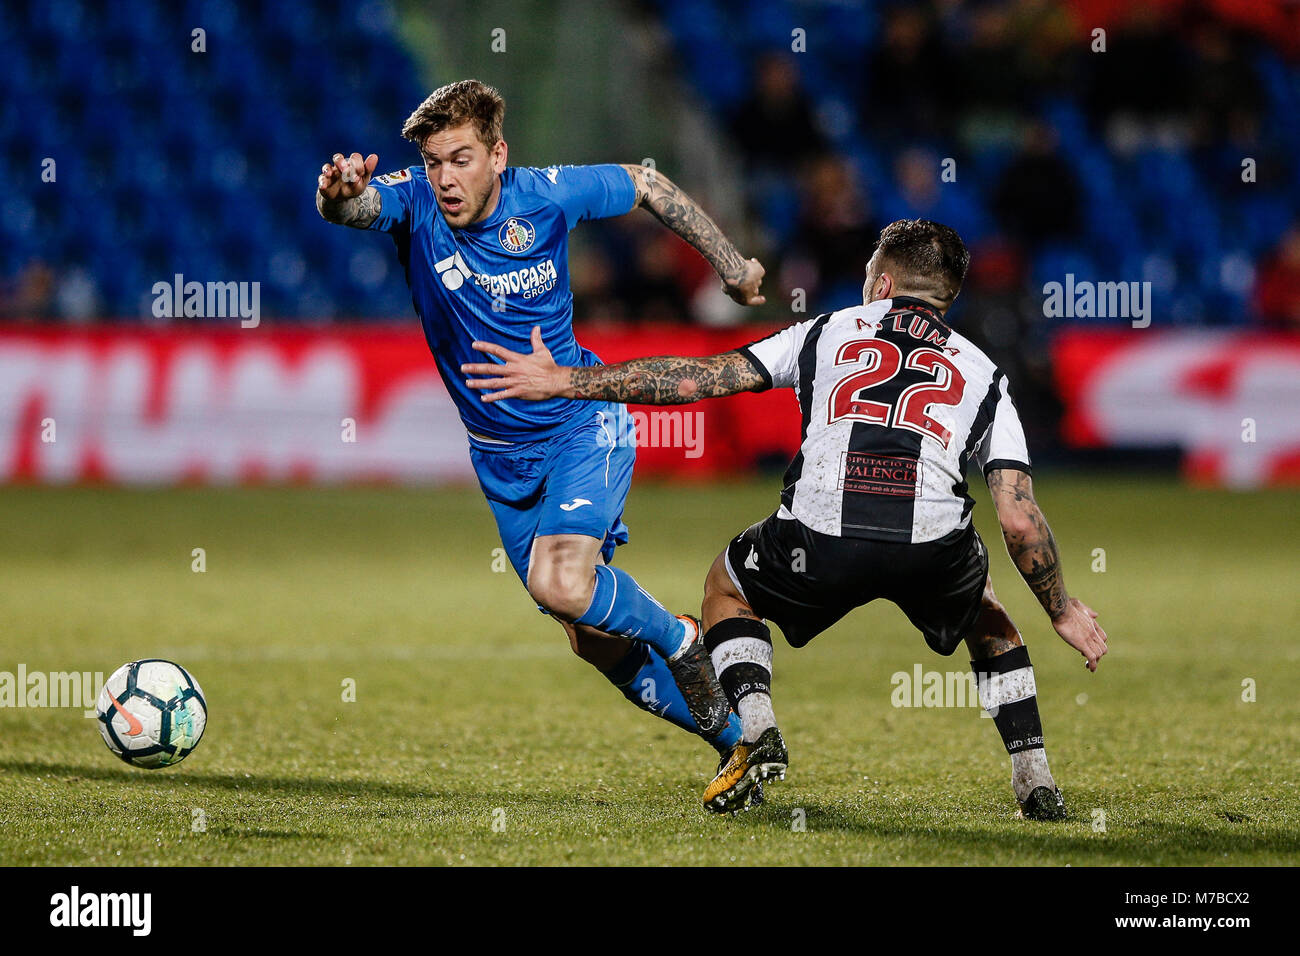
x,y
516,235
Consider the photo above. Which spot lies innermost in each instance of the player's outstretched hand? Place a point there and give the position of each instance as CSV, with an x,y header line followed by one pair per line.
x,y
745,289
347,176
1078,627
530,377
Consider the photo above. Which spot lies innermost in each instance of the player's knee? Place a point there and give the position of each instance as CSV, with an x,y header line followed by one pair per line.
x,y
989,600
564,592
718,583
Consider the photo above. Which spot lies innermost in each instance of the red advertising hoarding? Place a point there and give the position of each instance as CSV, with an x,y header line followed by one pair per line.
x,y
1229,400
140,406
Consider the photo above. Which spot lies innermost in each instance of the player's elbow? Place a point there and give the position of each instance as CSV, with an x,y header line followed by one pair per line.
x,y
648,182
1020,524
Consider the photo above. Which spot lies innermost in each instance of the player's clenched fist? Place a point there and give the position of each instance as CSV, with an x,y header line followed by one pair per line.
x,y
347,176
744,288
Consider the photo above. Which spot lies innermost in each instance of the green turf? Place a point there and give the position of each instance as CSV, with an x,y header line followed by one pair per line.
x,y
470,709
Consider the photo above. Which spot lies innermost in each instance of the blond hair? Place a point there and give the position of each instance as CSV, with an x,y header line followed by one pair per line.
x,y
465,101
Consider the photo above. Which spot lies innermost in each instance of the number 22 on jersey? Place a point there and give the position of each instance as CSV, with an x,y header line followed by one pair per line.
x,y
910,409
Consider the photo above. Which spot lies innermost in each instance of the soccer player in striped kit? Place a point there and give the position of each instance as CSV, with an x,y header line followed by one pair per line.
x,y
895,407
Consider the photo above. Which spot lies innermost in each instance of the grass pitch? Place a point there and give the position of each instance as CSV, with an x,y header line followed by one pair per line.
x,y
476,737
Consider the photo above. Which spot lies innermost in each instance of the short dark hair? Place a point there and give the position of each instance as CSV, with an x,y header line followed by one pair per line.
x,y
465,101
924,256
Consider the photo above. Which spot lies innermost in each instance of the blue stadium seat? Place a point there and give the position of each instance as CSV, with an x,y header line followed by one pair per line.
x,y
1157,200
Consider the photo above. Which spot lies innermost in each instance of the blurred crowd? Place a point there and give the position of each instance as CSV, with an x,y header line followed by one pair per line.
x,y
959,88
995,116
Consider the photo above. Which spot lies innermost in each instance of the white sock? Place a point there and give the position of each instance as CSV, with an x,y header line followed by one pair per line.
x,y
755,715
1028,770
1009,693
688,638
743,661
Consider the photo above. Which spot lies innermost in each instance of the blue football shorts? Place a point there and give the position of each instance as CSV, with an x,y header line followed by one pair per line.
x,y
574,483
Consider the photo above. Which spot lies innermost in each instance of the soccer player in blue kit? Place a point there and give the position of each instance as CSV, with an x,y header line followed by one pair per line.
x,y
485,248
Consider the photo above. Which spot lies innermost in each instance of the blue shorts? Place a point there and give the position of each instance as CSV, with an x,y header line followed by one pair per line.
x,y
575,483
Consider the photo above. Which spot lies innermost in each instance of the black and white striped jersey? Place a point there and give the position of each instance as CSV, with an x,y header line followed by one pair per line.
x,y
895,405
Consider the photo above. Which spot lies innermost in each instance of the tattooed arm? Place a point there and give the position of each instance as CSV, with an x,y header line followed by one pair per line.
x,y
358,212
668,380
343,191
1033,551
658,194
1029,540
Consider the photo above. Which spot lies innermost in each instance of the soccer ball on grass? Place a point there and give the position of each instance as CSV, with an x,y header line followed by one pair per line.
x,y
152,713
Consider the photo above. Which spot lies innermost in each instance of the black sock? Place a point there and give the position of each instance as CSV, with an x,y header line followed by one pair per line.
x,y
741,649
1008,692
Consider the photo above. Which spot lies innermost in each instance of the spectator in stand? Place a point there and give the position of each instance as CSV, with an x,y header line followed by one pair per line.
x,y
1046,36
909,81
834,237
592,282
655,291
1277,284
922,195
775,125
1037,197
30,296
989,91
1134,111
1226,94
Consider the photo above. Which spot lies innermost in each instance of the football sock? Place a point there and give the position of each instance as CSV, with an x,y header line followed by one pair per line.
x,y
741,648
1008,693
620,606
646,681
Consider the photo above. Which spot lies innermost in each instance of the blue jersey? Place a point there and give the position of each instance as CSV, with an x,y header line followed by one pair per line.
x,y
496,279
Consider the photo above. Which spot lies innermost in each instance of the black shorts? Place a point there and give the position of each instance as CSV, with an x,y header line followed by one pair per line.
x,y
805,581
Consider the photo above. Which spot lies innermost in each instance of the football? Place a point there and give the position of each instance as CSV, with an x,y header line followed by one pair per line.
x,y
152,713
